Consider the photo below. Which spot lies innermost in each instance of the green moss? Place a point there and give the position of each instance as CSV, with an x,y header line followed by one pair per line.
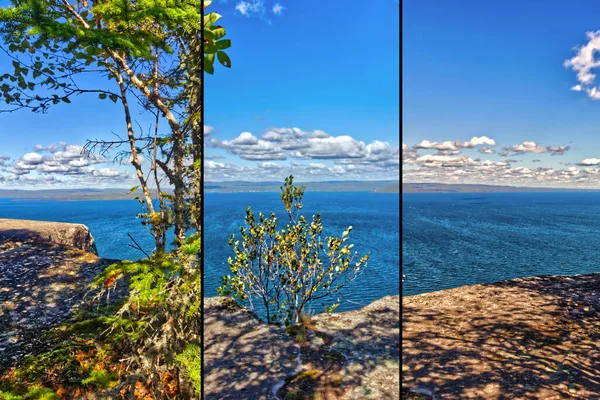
x,y
36,367
310,374
9,396
41,393
101,378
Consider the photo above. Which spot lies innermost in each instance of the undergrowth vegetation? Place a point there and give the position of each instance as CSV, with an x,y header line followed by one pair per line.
x,y
144,346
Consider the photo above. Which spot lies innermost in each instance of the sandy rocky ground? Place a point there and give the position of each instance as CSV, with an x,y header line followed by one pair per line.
x,y
528,338
42,282
350,355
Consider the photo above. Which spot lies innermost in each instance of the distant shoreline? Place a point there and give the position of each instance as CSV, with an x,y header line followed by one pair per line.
x,y
210,187
474,188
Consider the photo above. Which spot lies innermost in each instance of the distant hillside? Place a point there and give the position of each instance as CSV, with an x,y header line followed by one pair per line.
x,y
69,194
328,186
221,187
464,188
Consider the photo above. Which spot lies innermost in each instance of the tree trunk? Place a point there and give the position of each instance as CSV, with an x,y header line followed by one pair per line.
x,y
179,198
136,164
196,124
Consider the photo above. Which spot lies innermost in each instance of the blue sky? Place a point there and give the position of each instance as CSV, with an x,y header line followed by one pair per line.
x,y
313,90
323,66
496,69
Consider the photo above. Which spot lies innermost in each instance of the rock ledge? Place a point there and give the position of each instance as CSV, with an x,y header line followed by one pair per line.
x,y
74,235
45,272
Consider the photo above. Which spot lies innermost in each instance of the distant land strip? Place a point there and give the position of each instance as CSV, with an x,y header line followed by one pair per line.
x,y
468,188
214,187
389,186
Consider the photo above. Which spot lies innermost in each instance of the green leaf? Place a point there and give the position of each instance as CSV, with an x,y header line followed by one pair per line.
x,y
102,96
210,48
113,97
224,59
66,100
223,44
210,19
218,33
209,35
208,65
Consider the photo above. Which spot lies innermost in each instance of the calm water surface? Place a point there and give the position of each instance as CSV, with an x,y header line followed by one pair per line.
x,y
455,239
376,229
375,219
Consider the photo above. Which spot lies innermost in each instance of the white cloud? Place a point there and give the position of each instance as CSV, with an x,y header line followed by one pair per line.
x,y
487,150
583,63
65,165
106,172
249,147
349,156
476,141
590,161
251,7
320,134
208,130
317,166
455,145
533,147
32,159
434,160
284,143
270,165
435,168
526,147
409,155
447,166
209,164
448,152
426,144
277,9
335,147
558,150
312,171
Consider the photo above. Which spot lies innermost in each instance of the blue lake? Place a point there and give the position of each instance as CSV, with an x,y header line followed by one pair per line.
x,y
455,239
375,218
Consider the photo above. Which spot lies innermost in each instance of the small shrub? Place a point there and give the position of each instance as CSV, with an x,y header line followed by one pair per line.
x,y
290,268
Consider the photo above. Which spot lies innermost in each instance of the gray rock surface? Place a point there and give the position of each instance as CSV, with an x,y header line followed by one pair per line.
x,y
243,357
247,359
45,272
73,235
369,339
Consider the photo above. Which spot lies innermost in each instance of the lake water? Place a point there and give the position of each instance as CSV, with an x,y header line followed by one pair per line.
x,y
455,239
375,218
